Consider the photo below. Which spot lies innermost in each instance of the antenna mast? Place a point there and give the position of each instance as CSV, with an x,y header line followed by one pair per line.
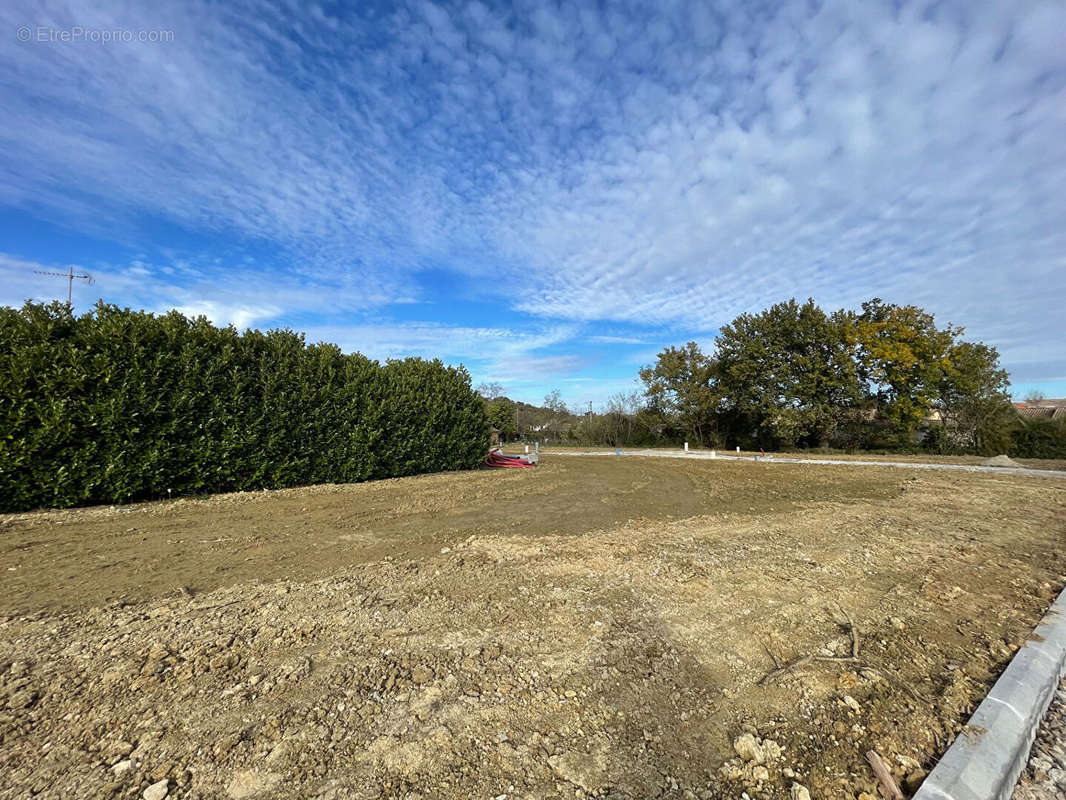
x,y
70,276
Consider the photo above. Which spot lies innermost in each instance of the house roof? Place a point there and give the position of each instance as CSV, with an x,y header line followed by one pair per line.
x,y
1043,412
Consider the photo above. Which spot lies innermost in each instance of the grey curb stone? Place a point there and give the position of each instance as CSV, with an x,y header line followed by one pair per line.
x,y
985,760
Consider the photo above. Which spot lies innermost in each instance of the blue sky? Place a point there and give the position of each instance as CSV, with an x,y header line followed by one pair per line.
x,y
546,193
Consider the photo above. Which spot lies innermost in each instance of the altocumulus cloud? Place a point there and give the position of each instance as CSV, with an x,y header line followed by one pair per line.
x,y
640,165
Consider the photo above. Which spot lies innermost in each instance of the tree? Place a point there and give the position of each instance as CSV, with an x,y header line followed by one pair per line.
x,y
558,412
1034,396
490,391
681,385
903,356
553,401
619,418
973,403
501,413
790,372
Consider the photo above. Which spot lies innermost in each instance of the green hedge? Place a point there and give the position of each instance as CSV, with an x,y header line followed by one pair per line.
x,y
1039,438
119,405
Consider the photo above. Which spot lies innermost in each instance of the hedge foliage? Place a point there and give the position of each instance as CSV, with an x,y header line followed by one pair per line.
x,y
119,405
1038,438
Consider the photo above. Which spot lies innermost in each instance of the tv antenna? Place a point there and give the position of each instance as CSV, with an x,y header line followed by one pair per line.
x,y
70,276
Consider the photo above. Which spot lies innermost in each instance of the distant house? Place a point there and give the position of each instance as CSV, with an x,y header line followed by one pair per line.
x,y
1054,409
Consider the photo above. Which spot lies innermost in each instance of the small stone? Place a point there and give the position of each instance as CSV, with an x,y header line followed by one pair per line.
x,y
761,774
23,698
282,750
122,766
422,674
749,749
158,652
250,783
157,791
121,749
851,703
1041,763
798,792
585,770
772,749
897,623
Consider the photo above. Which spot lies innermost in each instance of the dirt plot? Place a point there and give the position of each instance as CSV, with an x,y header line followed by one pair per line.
x,y
595,627
832,455
71,559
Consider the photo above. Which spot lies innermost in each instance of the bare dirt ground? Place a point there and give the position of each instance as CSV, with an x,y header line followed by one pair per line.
x,y
836,455
595,627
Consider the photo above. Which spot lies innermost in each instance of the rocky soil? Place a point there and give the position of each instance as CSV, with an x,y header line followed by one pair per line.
x,y
1045,775
630,661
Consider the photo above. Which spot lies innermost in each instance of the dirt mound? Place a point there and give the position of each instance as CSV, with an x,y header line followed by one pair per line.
x,y
1001,461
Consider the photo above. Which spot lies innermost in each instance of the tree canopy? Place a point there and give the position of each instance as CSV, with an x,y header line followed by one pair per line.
x,y
681,385
790,371
795,375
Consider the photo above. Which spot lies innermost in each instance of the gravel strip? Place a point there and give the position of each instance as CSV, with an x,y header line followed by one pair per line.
x,y
1045,774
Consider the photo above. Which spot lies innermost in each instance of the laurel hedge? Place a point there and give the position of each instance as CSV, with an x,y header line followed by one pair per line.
x,y
118,405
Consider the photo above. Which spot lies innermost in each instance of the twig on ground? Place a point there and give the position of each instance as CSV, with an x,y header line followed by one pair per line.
x,y
214,605
856,645
888,784
800,662
787,668
853,629
807,659
914,693
769,652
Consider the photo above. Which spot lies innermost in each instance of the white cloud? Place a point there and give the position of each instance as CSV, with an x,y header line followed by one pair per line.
x,y
675,167
239,316
243,296
492,354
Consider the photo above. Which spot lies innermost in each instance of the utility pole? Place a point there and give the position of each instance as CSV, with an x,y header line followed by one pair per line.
x,y
70,276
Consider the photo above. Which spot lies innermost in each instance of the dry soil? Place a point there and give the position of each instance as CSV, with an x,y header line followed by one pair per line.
x,y
594,627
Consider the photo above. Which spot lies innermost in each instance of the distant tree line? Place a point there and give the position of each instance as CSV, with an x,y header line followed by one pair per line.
x,y
886,378
118,405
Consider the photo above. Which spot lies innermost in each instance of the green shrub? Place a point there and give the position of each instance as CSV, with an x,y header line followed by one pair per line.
x,y
1038,438
119,405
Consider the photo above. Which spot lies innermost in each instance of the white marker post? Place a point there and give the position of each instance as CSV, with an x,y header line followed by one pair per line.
x,y
686,447
738,448
527,449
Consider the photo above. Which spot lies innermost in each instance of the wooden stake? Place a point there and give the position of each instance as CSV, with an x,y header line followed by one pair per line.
x,y
889,788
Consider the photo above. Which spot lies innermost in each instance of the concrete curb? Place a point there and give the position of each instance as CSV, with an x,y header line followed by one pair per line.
x,y
985,760
774,459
